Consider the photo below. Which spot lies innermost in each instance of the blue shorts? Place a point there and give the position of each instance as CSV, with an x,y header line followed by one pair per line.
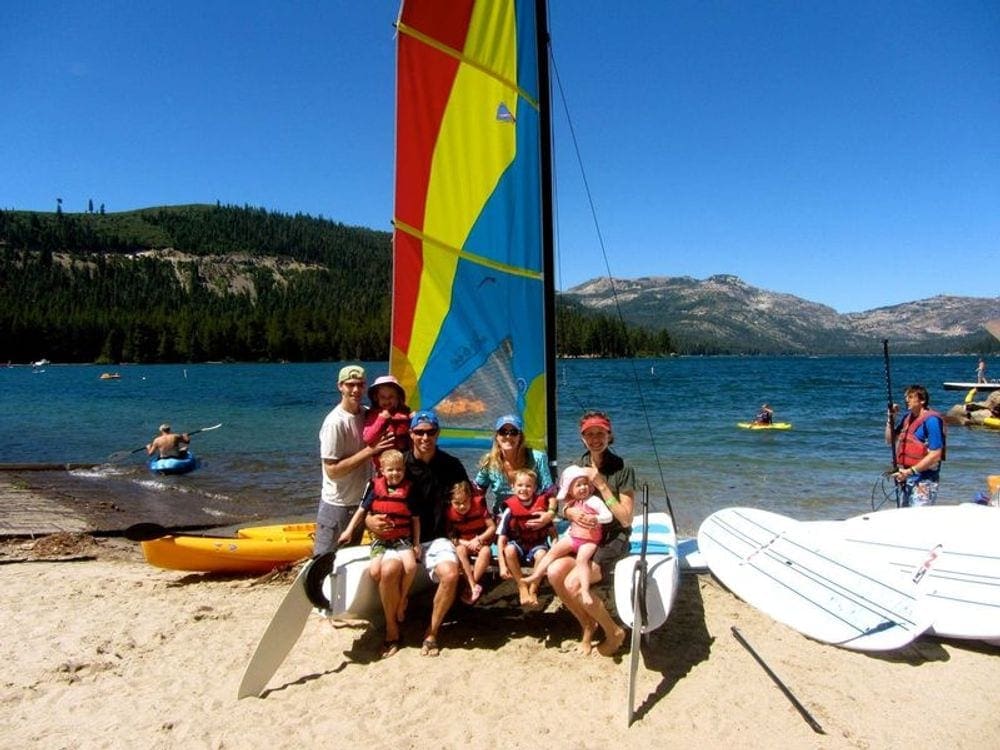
x,y
529,558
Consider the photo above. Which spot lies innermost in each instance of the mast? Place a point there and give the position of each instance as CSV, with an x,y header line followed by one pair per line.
x,y
548,235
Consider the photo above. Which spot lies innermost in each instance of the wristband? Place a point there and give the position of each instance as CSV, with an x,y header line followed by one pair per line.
x,y
611,502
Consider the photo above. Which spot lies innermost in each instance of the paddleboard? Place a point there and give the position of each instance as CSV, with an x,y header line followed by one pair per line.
x,y
758,426
282,632
961,585
351,591
966,386
662,572
690,556
811,582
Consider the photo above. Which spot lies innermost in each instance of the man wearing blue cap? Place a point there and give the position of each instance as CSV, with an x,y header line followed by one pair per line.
x,y
347,460
432,473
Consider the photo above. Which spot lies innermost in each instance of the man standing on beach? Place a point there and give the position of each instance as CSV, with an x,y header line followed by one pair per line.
x,y
347,460
432,473
920,448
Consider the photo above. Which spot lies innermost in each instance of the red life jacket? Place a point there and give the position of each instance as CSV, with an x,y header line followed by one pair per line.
x,y
520,515
909,448
392,502
473,523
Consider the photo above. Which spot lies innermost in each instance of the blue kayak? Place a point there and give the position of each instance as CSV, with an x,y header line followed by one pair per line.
x,y
174,465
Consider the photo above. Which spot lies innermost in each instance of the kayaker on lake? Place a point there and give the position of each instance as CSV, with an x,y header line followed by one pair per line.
x,y
169,444
765,415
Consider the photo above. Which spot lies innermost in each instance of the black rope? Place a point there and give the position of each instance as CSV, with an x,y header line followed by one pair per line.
x,y
607,267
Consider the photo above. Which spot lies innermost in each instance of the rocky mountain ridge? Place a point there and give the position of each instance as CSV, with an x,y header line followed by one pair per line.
x,y
725,314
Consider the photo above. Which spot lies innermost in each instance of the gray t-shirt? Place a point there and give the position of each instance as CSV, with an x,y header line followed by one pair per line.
x,y
340,437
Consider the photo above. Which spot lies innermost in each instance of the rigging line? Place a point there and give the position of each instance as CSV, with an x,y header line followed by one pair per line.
x,y
607,267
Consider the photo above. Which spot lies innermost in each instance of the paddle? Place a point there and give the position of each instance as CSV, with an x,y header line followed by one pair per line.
x,y
890,416
815,725
638,605
146,532
119,455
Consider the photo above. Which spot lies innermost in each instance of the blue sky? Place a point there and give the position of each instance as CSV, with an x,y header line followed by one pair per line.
x,y
844,152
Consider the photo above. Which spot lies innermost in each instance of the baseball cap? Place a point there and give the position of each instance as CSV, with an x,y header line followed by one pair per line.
x,y
424,416
512,419
351,372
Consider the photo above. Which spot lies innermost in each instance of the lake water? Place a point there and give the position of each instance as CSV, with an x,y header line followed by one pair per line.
x,y
673,418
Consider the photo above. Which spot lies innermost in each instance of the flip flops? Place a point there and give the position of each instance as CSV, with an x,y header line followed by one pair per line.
x,y
388,649
430,647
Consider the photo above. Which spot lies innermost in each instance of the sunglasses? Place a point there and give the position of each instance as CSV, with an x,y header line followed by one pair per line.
x,y
509,432
424,433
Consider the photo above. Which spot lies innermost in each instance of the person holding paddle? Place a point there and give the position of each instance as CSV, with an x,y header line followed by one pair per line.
x,y
169,444
920,448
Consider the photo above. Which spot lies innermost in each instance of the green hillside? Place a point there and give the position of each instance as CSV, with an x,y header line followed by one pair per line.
x,y
195,283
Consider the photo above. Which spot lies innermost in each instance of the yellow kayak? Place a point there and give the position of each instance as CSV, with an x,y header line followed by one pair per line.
x,y
225,554
288,530
758,426
993,422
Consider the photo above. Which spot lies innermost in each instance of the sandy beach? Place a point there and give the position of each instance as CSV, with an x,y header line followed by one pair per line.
x,y
102,650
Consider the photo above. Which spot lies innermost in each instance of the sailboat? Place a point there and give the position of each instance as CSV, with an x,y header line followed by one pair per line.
x,y
473,322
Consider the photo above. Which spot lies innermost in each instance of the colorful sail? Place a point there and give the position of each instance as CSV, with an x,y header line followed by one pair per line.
x,y
468,322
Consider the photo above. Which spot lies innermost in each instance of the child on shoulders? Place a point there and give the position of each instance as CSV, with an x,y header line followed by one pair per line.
x,y
388,415
575,489
389,496
471,527
520,539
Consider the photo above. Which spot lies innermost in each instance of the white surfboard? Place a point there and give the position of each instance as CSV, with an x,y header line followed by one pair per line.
x,y
282,632
811,582
961,584
662,572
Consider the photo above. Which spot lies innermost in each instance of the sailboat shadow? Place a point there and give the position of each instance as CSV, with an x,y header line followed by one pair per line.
x,y
681,644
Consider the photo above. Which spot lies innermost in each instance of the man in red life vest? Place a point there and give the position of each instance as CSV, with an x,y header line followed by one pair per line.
x,y
920,448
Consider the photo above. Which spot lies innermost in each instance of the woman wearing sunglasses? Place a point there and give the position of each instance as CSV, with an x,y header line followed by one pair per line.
x,y
509,455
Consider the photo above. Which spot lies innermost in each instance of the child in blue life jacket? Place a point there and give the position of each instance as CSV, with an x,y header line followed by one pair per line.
x,y
389,496
471,528
521,539
575,489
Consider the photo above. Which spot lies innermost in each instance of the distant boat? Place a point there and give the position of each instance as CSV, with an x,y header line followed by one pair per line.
x,y
965,386
110,376
41,363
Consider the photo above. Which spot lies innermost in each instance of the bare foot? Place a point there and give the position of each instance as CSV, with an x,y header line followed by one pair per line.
x,y
610,645
586,598
587,639
522,594
477,591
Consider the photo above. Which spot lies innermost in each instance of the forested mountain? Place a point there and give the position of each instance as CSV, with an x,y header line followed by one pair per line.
x,y
196,283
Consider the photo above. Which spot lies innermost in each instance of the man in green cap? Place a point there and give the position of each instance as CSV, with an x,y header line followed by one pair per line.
x,y
347,460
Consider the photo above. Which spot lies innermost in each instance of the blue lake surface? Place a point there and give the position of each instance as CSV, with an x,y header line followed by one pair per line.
x,y
674,419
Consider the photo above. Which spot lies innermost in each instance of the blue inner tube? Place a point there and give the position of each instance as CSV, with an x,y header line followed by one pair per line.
x,y
174,465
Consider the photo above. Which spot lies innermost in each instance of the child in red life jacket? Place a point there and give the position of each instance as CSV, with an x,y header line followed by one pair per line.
x,y
522,539
389,496
576,489
388,415
471,528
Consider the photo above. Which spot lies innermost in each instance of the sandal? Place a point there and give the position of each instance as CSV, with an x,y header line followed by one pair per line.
x,y
429,647
388,649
